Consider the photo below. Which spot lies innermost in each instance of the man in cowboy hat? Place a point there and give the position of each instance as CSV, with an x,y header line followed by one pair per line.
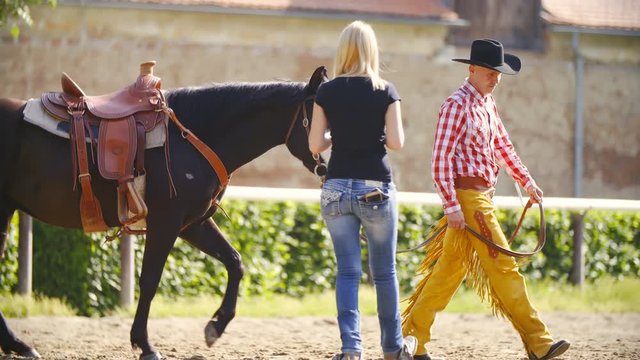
x,y
471,145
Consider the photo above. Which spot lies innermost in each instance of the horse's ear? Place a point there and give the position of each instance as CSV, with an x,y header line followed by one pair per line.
x,y
319,76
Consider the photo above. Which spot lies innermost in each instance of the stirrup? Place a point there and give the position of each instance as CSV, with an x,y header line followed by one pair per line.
x,y
131,206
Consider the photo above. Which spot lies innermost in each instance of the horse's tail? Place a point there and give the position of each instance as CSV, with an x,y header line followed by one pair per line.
x,y
10,119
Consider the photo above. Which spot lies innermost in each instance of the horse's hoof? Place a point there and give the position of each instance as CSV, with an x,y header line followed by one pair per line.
x,y
153,356
31,354
21,349
210,334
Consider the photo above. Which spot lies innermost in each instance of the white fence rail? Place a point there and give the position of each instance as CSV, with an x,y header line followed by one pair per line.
x,y
280,194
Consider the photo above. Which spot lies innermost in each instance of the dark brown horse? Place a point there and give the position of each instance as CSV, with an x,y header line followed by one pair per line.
x,y
239,121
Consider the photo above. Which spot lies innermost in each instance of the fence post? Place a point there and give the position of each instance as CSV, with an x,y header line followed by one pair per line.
x,y
127,269
577,224
25,253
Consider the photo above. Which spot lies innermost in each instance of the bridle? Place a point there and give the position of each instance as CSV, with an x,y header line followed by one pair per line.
x,y
306,124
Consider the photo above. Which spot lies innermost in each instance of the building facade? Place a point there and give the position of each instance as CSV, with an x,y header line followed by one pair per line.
x,y
100,44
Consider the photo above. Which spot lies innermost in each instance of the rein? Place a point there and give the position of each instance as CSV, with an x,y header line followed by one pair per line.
x,y
515,254
305,124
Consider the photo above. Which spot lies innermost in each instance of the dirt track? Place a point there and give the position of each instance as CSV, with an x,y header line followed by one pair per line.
x,y
466,336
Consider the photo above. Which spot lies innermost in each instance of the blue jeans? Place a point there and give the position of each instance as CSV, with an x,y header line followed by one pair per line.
x,y
344,211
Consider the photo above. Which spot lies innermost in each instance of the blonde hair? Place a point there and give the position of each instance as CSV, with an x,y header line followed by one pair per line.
x,y
357,54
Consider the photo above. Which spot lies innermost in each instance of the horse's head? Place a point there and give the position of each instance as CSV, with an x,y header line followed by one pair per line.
x,y
297,139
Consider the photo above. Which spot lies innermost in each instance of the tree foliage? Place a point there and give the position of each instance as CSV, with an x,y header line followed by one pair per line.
x,y
15,12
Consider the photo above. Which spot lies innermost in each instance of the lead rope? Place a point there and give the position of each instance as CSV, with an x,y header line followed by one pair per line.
x,y
509,252
519,192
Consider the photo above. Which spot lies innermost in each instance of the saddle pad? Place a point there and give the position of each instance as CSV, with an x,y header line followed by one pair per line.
x,y
35,114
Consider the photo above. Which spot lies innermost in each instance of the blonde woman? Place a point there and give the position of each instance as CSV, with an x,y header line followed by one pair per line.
x,y
358,115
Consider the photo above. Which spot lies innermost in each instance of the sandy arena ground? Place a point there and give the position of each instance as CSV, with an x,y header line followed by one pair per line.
x,y
456,336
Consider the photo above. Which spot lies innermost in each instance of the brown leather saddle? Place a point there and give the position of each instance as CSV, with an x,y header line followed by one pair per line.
x,y
123,118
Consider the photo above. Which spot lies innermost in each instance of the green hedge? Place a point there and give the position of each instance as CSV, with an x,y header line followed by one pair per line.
x,y
286,249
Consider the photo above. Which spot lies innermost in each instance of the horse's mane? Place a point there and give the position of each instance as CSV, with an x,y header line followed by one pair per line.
x,y
234,96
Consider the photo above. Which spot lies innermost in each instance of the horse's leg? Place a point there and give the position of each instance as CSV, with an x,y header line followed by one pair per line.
x,y
207,237
161,236
10,344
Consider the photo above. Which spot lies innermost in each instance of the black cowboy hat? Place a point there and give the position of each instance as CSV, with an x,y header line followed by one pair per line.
x,y
490,54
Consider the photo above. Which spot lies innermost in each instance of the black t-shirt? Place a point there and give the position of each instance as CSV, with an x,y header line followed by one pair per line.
x,y
356,118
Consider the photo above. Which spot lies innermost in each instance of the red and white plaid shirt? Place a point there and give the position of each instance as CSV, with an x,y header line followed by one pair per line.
x,y
471,140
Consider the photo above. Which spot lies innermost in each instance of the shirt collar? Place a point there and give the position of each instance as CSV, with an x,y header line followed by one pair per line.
x,y
469,89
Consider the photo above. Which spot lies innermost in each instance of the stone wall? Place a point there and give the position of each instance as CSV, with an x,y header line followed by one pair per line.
x,y
102,47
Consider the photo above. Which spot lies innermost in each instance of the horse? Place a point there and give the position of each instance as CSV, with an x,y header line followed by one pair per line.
x,y
238,121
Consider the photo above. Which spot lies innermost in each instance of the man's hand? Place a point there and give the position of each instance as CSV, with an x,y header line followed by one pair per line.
x,y
456,220
535,194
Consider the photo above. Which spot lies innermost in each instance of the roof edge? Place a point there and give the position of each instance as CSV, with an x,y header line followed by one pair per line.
x,y
558,25
266,12
594,30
